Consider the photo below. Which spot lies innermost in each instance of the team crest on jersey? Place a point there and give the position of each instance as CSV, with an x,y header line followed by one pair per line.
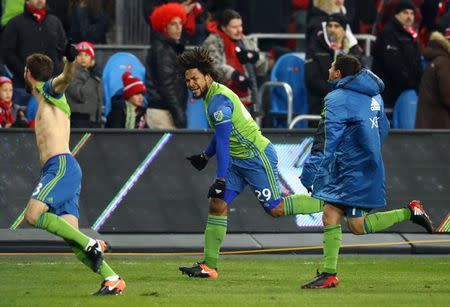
x,y
375,106
218,116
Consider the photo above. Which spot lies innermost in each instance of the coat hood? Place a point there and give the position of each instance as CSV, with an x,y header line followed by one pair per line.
x,y
365,82
438,46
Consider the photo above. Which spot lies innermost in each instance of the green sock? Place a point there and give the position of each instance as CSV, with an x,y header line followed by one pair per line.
x,y
332,238
105,270
379,221
301,204
215,232
58,226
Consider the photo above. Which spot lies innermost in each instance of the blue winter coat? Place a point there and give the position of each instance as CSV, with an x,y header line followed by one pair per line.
x,y
346,164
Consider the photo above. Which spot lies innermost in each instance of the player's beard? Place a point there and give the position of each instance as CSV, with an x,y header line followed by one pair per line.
x,y
28,86
203,92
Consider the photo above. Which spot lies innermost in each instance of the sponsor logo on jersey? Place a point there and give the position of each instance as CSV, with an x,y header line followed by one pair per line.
x,y
374,121
375,106
218,116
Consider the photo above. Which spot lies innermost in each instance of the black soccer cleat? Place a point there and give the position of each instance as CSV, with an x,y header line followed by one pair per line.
x,y
419,216
109,287
199,269
95,253
322,281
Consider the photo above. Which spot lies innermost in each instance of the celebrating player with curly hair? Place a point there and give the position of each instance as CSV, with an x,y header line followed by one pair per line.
x,y
244,157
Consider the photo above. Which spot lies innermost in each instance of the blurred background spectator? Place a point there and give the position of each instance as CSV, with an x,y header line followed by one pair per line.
x,y
90,20
84,93
128,110
396,57
10,9
319,12
238,59
6,112
166,87
194,31
61,9
29,32
335,38
433,111
402,39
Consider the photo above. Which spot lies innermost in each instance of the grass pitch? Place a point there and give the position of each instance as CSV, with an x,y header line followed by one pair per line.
x,y
244,280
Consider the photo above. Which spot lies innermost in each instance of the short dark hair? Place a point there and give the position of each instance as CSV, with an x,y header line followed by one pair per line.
x,y
347,64
197,58
227,15
40,66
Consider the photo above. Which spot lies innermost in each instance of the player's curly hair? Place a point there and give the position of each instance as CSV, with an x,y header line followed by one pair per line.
x,y
197,58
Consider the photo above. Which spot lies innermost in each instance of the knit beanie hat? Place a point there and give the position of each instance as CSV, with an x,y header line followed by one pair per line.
x,y
404,5
132,85
339,18
4,80
163,15
87,48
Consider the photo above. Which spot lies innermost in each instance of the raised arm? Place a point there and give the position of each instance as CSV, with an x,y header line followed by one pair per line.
x,y
62,81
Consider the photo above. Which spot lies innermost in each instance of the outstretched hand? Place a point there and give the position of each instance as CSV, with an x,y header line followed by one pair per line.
x,y
198,161
70,51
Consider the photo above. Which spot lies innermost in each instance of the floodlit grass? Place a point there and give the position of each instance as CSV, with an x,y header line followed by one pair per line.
x,y
243,281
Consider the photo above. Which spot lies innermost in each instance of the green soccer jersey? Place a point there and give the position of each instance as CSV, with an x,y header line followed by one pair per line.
x,y
222,105
56,99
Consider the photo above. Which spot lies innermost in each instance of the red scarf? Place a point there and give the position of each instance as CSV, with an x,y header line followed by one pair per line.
x,y
413,32
5,113
230,54
38,14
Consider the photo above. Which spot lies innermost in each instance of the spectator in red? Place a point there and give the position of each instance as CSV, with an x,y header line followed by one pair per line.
x,y
128,111
194,28
167,89
396,57
33,31
237,58
84,93
6,92
388,9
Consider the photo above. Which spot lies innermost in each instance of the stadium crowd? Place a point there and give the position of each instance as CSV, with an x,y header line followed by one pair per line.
x,y
411,54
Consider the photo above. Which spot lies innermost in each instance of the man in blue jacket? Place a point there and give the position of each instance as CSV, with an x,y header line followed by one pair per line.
x,y
346,169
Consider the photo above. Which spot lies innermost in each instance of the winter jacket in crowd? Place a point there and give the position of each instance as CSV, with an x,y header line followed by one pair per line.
x,y
433,111
24,35
117,118
166,86
223,50
84,96
346,163
89,25
396,60
319,57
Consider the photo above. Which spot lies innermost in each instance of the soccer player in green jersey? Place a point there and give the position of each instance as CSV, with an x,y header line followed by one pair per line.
x,y
244,157
53,205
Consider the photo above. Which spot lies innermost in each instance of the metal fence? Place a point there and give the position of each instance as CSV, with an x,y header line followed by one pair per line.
x,y
130,25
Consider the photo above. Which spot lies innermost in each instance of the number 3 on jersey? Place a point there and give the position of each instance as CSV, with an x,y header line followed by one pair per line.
x,y
263,195
37,190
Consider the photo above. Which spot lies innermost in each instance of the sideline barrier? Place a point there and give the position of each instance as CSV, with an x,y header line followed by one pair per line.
x,y
170,196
